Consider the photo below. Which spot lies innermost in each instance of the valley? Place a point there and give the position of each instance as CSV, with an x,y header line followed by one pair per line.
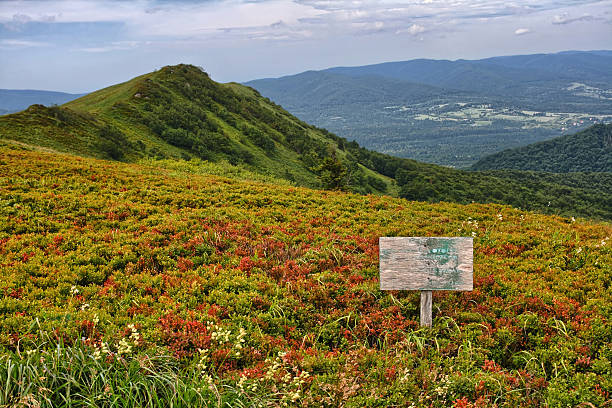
x,y
452,113
443,133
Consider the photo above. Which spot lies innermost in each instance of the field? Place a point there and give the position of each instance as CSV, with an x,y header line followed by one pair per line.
x,y
133,285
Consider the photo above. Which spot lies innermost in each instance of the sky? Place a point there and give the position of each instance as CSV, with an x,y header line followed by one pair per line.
x,y
80,46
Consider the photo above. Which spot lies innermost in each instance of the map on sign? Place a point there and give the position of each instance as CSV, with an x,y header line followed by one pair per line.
x,y
421,263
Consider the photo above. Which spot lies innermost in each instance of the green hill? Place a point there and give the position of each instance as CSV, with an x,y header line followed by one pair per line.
x,y
586,151
179,113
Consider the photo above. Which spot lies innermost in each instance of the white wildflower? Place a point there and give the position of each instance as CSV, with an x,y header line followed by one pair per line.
x,y
124,347
134,336
105,348
241,382
97,355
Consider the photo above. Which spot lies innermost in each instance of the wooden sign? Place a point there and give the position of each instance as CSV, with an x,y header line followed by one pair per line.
x,y
426,264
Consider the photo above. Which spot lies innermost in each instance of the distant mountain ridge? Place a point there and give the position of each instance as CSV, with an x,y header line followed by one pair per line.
x,y
586,151
15,100
492,74
452,112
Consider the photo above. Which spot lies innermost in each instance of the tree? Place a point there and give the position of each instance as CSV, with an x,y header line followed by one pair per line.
x,y
332,173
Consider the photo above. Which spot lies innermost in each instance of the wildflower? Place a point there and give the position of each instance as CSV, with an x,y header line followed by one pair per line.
x,y
74,291
241,383
105,348
295,396
134,336
209,380
500,217
124,347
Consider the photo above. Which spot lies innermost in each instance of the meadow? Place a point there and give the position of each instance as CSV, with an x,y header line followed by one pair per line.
x,y
147,285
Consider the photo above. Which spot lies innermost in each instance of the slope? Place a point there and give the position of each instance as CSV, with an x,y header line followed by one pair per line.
x,y
140,286
179,113
586,151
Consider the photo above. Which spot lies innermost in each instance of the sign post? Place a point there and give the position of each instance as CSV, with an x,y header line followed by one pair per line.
x,y
426,264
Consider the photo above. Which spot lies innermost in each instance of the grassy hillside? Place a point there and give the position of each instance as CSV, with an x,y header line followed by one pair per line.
x,y
179,113
137,285
586,151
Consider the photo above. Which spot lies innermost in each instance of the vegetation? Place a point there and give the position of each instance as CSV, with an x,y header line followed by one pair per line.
x,y
147,285
180,113
586,151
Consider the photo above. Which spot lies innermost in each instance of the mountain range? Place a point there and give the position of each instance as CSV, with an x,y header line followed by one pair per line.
x,y
15,100
452,112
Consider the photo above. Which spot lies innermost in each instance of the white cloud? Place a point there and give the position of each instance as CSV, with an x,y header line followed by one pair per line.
x,y
184,21
114,46
18,43
414,29
565,18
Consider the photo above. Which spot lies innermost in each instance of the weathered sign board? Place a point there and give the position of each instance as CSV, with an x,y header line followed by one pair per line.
x,y
426,264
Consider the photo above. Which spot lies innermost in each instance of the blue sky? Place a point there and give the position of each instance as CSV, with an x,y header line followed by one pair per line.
x,y
80,46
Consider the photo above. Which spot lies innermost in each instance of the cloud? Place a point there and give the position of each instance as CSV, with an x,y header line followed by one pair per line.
x,y
17,22
184,21
561,19
114,46
19,43
414,29
522,31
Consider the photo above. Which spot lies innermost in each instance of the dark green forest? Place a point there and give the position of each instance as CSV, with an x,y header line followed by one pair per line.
x,y
586,151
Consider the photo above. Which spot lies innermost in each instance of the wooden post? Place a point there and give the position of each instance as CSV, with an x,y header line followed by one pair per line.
x,y
426,315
